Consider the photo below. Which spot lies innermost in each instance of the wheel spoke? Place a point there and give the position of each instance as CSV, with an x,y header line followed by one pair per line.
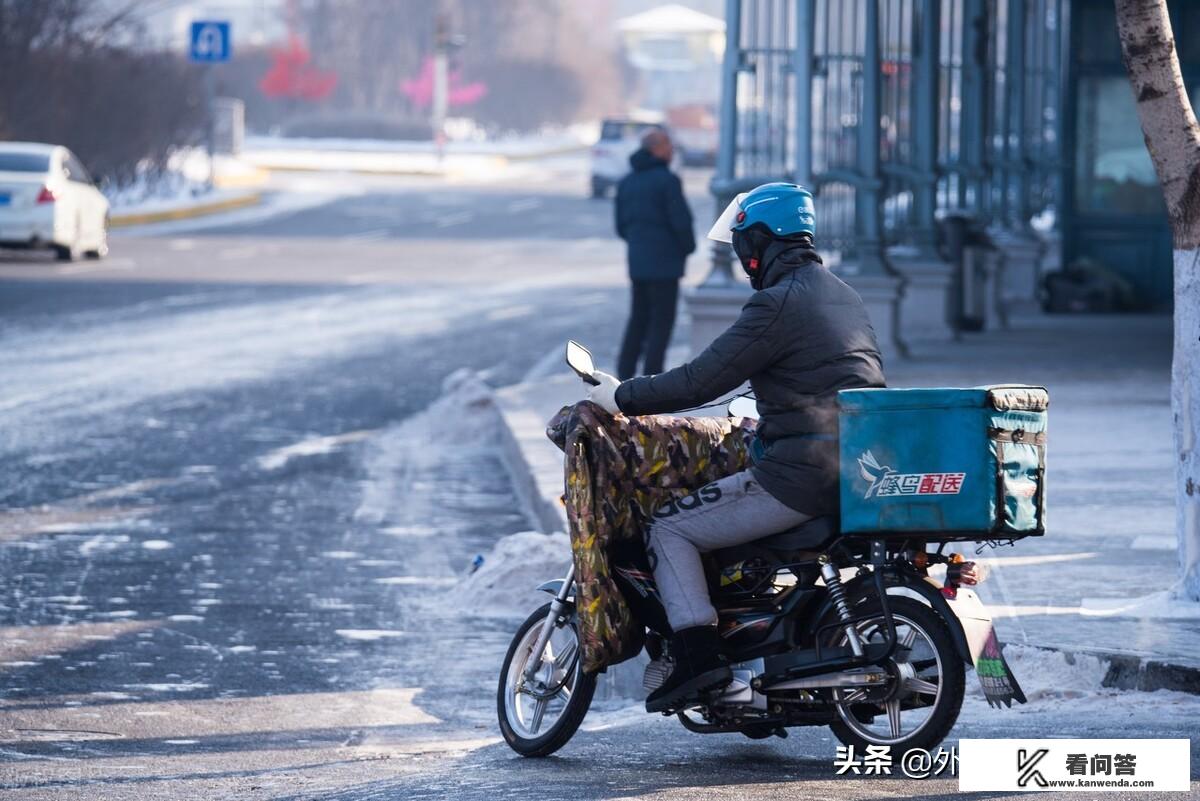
x,y
923,664
921,686
539,709
893,713
906,642
563,660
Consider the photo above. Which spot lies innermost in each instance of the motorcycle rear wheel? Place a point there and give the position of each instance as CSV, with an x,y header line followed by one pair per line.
x,y
561,688
928,666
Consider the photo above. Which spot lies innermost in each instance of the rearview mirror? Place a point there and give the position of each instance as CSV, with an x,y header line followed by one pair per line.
x,y
579,359
743,406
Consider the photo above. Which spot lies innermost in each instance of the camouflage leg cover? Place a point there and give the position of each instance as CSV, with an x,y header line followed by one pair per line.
x,y
618,471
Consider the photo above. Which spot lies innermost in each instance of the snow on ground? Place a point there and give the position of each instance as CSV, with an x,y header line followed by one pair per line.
x,y
1056,684
502,586
515,145
287,195
188,179
53,374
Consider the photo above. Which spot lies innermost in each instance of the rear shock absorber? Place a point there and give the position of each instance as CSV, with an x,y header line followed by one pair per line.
x,y
837,593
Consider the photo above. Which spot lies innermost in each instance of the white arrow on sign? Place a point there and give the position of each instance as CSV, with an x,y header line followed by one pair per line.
x,y
209,42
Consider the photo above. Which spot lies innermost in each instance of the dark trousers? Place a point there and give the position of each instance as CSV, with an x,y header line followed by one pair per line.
x,y
651,318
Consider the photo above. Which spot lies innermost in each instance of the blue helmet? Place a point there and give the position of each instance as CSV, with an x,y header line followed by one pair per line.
x,y
770,213
782,210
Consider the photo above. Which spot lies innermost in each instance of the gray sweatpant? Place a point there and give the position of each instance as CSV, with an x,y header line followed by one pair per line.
x,y
732,511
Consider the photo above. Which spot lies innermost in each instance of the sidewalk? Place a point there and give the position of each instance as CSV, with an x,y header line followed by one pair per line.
x,y
1097,583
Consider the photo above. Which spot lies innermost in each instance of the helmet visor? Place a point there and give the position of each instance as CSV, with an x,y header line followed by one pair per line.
x,y
722,230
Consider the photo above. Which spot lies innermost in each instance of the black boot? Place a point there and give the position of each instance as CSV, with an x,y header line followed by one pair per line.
x,y
698,668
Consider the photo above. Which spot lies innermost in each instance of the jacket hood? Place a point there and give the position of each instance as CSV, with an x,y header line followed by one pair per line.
x,y
643,159
781,257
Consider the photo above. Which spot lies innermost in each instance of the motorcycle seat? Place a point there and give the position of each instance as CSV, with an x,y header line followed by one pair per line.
x,y
811,535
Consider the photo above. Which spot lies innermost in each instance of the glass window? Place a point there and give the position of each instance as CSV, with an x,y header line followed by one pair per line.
x,y
613,130
1096,33
24,162
75,170
1113,171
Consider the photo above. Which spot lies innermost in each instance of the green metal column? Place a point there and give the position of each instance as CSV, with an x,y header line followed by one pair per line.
x,y
974,104
721,274
867,189
1016,146
926,51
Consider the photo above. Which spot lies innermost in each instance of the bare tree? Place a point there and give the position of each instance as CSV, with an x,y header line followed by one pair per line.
x,y
64,78
1173,138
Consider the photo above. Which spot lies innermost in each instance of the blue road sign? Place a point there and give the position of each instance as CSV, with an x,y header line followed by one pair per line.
x,y
210,42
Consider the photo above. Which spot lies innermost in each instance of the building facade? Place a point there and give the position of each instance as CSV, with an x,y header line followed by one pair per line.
x,y
1013,116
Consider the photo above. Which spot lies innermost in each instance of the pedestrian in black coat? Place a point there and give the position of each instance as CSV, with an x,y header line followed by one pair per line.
x,y
653,218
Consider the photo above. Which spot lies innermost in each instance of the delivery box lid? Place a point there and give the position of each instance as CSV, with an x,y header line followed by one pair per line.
x,y
1003,397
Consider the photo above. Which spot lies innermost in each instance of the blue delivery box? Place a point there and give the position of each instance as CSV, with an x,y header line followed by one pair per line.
x,y
954,462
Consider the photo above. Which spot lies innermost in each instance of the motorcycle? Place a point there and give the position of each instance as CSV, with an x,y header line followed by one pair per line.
x,y
820,628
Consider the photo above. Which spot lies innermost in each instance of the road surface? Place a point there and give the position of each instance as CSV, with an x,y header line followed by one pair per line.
x,y
231,535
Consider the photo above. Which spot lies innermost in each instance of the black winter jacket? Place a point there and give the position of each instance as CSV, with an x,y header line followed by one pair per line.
x,y
798,341
653,218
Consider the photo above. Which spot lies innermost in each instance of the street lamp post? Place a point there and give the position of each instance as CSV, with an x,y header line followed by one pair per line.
x,y
441,83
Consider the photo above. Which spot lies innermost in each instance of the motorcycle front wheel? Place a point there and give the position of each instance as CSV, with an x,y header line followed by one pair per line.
x,y
538,717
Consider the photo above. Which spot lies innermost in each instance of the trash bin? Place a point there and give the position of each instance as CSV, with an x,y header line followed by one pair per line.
x,y
967,246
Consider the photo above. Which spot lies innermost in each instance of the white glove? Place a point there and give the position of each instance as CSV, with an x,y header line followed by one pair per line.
x,y
604,394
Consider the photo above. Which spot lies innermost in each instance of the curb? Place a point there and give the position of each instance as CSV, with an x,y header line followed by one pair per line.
x,y
548,516
1130,672
186,212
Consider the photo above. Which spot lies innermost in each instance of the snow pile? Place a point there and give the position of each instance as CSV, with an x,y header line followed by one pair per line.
x,y
504,584
1047,675
188,178
1070,688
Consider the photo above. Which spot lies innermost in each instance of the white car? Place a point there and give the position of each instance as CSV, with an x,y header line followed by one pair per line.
x,y
48,200
619,138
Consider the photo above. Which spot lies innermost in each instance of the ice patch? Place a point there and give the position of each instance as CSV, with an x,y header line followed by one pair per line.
x,y
504,585
369,635
103,542
157,545
1160,605
429,581
181,742
185,619
242,649
315,446
415,531
176,687
1154,542
341,555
